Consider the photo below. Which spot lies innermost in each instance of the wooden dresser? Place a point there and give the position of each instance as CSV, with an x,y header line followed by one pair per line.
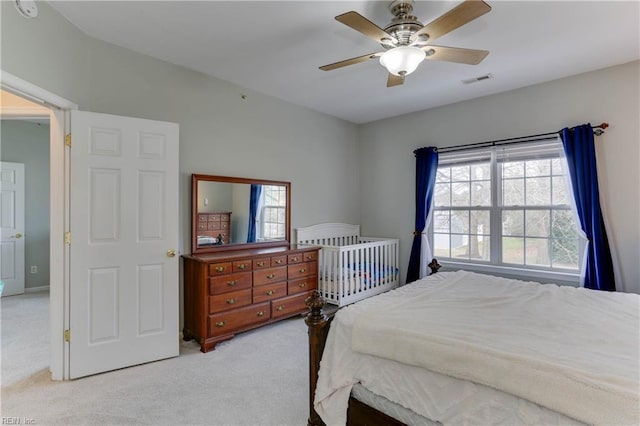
x,y
214,224
232,291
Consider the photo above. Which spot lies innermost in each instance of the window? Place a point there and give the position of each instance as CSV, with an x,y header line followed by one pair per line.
x,y
506,206
273,212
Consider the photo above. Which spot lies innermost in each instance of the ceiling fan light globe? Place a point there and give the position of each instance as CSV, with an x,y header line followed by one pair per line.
x,y
402,60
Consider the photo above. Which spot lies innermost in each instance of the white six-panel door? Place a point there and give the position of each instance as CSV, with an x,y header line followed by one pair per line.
x,y
12,227
124,223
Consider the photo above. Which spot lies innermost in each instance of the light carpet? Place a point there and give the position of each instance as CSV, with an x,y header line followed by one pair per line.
x,y
258,378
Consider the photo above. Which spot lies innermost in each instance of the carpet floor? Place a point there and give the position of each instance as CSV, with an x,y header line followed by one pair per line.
x,y
258,378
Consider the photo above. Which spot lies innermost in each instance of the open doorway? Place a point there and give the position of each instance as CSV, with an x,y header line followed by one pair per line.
x,y
25,220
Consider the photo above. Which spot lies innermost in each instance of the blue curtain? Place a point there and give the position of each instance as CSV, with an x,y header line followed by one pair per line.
x,y
426,167
580,151
254,200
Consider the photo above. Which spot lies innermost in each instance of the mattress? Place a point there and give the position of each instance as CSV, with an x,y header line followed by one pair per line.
x,y
431,395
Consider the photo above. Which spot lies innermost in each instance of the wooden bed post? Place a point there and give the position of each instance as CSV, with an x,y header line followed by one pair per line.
x,y
318,324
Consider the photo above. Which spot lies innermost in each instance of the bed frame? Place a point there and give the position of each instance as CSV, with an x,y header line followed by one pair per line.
x,y
318,323
351,267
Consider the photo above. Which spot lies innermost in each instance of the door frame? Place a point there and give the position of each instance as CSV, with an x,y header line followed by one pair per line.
x,y
59,119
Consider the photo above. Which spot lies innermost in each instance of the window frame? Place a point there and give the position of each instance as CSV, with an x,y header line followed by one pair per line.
x,y
496,263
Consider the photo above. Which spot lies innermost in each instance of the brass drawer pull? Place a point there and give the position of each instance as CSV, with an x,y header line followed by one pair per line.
x,y
220,323
231,301
280,308
303,270
270,292
278,261
271,276
261,264
309,257
302,285
232,283
260,314
220,268
294,259
242,266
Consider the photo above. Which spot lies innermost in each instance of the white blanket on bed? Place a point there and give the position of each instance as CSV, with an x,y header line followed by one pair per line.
x,y
574,351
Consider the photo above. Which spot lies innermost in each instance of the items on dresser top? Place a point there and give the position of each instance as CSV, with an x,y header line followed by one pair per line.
x,y
238,290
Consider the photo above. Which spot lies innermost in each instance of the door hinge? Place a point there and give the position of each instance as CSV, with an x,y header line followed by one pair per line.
x,y
67,237
67,139
67,335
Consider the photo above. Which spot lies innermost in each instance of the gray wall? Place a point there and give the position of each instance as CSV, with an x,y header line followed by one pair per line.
x,y
28,142
611,95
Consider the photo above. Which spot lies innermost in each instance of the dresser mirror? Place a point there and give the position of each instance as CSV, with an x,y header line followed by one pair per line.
x,y
229,213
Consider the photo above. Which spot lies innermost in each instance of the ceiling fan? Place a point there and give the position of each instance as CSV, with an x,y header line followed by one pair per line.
x,y
407,42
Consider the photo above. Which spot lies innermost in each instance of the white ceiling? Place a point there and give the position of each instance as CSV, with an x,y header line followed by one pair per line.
x,y
276,47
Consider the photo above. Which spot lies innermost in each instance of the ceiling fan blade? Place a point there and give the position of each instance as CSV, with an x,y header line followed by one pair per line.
x,y
455,18
395,80
455,54
361,24
351,61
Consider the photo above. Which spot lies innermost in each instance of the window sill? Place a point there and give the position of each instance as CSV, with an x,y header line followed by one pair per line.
x,y
565,278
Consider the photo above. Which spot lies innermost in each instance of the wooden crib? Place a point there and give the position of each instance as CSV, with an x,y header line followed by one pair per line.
x,y
351,267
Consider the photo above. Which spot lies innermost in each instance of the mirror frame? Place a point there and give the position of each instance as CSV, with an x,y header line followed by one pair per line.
x,y
195,178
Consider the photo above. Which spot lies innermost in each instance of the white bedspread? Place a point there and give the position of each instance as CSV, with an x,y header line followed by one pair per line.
x,y
571,350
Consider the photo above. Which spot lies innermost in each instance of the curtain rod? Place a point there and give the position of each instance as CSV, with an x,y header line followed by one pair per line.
x,y
597,130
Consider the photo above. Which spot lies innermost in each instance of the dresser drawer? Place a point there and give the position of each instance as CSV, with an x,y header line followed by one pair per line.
x,y
278,260
310,256
214,218
213,226
242,265
289,305
295,258
231,300
302,270
230,282
262,263
269,292
302,284
202,226
220,268
269,275
230,321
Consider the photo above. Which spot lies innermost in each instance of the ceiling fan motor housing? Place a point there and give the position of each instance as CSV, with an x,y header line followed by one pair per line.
x,y
404,25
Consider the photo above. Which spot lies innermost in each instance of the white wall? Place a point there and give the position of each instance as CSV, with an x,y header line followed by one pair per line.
x,y
612,95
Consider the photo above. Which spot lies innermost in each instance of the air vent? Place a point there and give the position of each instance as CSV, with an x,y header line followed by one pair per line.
x,y
477,79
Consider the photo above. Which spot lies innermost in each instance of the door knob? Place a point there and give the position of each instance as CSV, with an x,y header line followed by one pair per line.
x,y
18,235
171,253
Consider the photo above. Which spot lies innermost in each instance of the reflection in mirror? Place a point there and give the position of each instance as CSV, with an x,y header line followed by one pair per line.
x,y
235,211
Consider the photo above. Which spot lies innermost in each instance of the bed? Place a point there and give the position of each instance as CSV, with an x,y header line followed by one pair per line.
x,y
466,348
351,267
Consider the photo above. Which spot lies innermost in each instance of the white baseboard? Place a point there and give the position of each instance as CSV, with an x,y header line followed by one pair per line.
x,y
36,289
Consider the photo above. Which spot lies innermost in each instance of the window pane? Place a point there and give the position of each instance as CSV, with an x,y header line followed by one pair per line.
x,y
513,192
442,195
513,222
538,168
480,171
460,196
538,192
481,193
513,250
563,224
459,222
557,167
565,253
538,223
537,250
443,174
441,222
512,169
479,222
559,192
479,248
460,173
460,246
441,245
